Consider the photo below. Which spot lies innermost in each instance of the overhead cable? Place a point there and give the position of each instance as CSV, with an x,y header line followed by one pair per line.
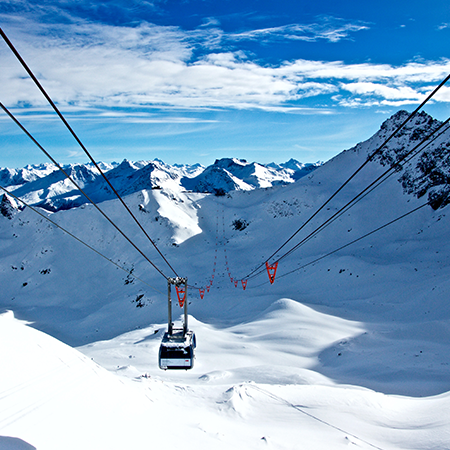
x,y
358,239
349,243
382,178
79,188
369,158
76,238
361,237
43,91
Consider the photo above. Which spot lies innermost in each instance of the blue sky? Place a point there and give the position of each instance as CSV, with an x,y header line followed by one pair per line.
x,y
191,81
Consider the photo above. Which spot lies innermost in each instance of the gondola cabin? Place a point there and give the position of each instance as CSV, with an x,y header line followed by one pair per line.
x,y
177,350
178,344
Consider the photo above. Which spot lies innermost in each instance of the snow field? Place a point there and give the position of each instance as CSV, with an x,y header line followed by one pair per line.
x,y
349,352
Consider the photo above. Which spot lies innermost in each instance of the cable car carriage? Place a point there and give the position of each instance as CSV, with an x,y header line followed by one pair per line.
x,y
177,350
178,344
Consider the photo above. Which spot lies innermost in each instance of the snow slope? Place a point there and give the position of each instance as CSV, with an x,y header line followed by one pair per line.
x,y
349,351
249,389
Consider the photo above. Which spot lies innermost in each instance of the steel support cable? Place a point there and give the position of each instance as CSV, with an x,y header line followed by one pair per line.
x,y
79,188
387,175
358,239
383,177
215,256
77,239
348,244
379,181
38,84
369,158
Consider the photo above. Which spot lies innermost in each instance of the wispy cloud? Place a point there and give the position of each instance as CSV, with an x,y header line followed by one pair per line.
x,y
88,65
75,154
326,28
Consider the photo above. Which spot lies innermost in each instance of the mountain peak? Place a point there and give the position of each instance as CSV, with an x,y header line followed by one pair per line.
x,y
229,162
420,119
8,206
426,174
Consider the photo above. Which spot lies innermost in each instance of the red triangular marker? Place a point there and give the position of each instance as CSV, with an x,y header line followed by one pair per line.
x,y
236,283
244,284
271,271
207,287
202,293
181,293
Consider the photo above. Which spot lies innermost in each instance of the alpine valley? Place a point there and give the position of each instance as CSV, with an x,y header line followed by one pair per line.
x,y
348,348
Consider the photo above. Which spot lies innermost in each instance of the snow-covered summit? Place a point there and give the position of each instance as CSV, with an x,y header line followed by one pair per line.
x,y
47,187
423,165
296,168
17,177
229,174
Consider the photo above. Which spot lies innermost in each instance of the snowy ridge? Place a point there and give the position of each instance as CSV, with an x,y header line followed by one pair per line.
x,y
349,351
17,177
426,173
235,174
47,187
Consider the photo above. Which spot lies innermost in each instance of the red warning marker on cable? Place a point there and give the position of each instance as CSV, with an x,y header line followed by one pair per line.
x,y
244,284
236,283
181,293
202,293
271,271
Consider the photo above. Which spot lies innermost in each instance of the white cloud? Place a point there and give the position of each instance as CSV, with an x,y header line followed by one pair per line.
x,y
75,154
96,66
328,28
386,92
443,95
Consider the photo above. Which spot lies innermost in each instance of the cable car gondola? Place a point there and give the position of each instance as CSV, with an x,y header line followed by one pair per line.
x,y
178,344
177,350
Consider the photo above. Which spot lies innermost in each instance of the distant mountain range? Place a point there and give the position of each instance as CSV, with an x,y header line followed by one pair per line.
x,y
45,186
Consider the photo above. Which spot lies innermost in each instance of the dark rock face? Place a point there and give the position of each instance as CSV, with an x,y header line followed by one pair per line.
x,y
8,206
426,171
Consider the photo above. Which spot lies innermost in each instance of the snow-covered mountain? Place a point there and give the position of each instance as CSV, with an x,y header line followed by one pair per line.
x,y
47,187
427,170
230,174
296,169
348,346
17,177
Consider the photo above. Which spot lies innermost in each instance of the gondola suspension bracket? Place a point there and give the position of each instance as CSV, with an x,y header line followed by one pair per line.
x,y
177,346
271,271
